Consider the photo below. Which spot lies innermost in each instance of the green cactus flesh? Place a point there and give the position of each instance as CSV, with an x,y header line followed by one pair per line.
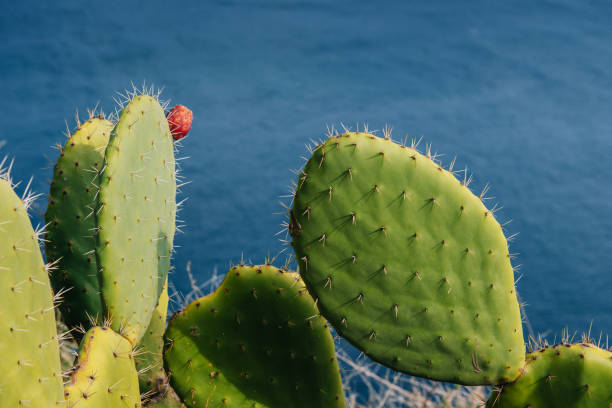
x,y
104,375
136,215
569,376
29,351
150,362
254,342
70,240
406,263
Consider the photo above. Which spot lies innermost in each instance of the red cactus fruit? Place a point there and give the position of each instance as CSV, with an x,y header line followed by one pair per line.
x,y
179,119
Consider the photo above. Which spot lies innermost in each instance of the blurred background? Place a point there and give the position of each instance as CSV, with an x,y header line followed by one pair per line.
x,y
520,92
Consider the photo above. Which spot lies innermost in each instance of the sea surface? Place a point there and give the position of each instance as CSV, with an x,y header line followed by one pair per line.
x,y
519,91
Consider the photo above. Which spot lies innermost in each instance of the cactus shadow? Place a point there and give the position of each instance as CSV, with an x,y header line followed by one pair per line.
x,y
398,199
367,195
429,204
163,253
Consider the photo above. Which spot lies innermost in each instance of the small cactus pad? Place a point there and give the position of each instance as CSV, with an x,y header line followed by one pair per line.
x,y
406,263
136,215
70,239
29,351
150,362
569,376
257,341
104,375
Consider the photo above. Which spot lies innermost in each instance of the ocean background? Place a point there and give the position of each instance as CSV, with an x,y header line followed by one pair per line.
x,y
519,91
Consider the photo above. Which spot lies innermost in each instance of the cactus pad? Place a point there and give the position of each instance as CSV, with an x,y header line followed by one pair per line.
x,y
569,376
105,375
136,215
29,351
150,362
70,239
406,263
253,343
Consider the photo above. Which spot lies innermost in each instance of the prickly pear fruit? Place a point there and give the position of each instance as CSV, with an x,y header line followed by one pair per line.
x,y
406,263
70,239
565,375
105,375
135,215
179,119
31,374
257,340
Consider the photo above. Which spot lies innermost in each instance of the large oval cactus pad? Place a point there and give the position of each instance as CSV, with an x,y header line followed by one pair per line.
x,y
568,376
136,215
406,262
256,341
105,374
70,235
29,351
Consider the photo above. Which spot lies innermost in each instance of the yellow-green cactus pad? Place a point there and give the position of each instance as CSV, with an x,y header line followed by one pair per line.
x,y
406,263
29,351
257,341
568,376
70,238
105,374
135,215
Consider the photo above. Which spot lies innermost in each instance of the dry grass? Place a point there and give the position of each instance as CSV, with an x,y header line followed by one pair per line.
x,y
368,384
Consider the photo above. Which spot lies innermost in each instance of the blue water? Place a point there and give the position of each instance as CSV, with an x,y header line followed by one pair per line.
x,y
521,92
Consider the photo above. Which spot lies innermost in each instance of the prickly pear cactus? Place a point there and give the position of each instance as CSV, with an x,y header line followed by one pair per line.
x,y
406,263
150,362
136,215
70,238
105,375
31,374
569,376
256,341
